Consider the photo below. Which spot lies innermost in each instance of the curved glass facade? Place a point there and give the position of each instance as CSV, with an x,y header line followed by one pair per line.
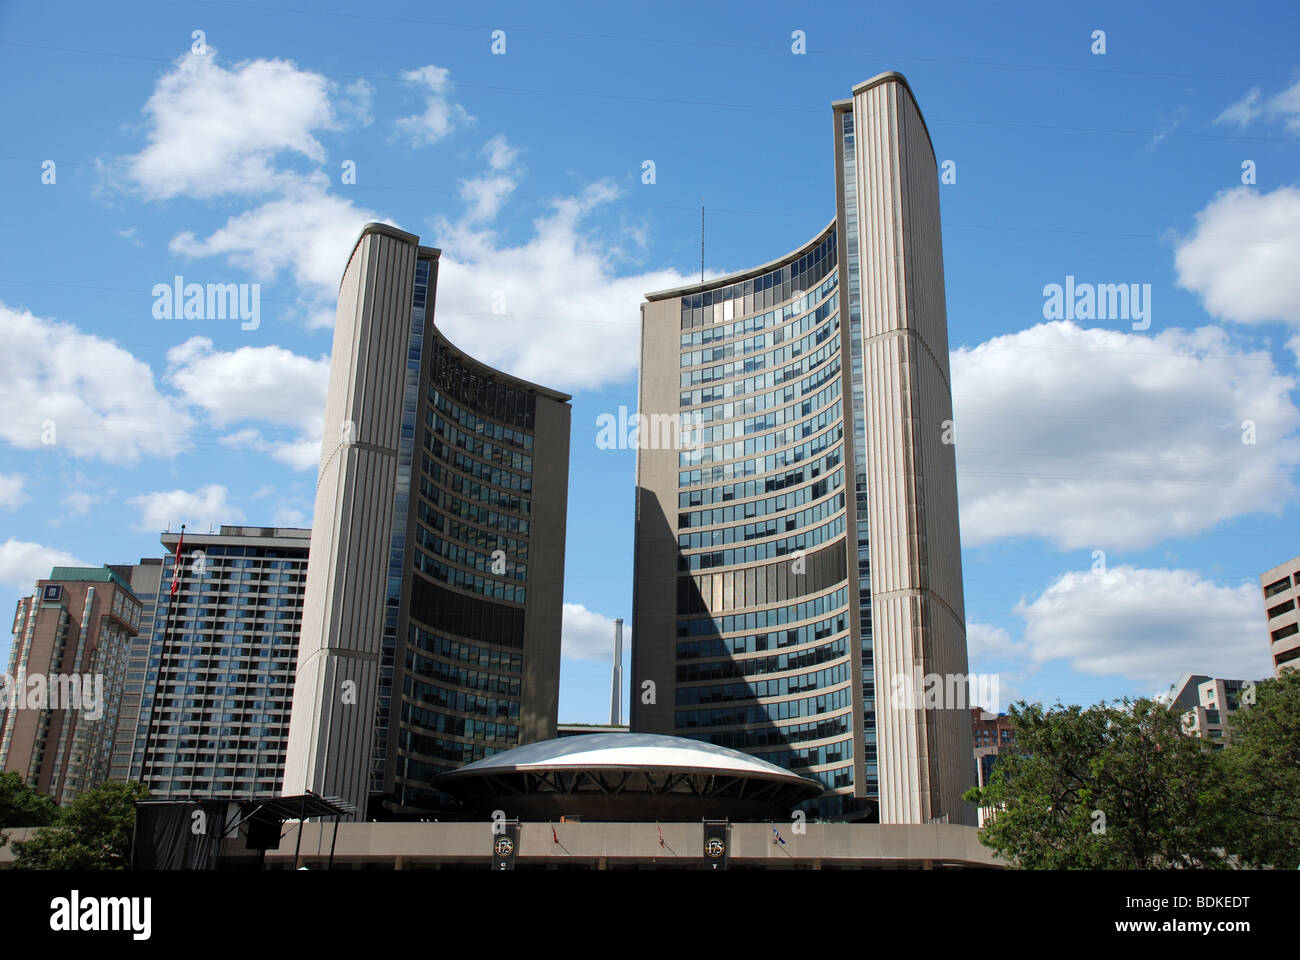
x,y
767,345
797,549
477,441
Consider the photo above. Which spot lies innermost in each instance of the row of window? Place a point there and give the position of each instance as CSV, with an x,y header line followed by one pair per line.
x,y
810,756
761,508
453,726
484,517
477,446
461,677
779,736
826,315
470,559
756,689
485,657
762,529
723,669
764,381
761,619
471,536
456,577
766,290
431,695
468,488
765,713
757,642
476,469
760,321
769,464
805,540
476,424
764,341
752,488
754,425
758,444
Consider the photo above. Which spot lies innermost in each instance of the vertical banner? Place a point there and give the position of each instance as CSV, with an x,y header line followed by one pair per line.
x,y
715,844
505,844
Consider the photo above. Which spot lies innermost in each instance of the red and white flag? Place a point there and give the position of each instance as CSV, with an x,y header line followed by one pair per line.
x,y
176,567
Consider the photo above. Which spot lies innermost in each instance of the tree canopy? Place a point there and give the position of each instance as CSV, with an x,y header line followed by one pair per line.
x,y
1124,786
92,833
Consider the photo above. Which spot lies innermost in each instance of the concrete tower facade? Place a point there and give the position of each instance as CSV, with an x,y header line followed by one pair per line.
x,y
431,629
798,588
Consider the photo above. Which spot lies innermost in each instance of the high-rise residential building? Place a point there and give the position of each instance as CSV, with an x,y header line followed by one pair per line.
x,y
798,562
431,636
211,715
1281,587
67,665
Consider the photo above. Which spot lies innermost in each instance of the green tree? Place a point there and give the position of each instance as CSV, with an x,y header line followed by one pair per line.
x,y
21,806
92,833
1110,787
1261,774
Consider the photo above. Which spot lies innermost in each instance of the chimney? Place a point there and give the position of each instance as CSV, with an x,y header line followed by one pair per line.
x,y
616,680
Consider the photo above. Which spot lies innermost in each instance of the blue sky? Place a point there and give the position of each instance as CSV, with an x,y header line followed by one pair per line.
x,y
221,159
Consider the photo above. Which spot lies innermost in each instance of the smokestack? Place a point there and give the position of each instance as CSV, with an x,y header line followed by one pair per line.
x,y
616,680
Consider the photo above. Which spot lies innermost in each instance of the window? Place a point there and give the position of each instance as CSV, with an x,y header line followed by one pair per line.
x,y
1273,589
1280,609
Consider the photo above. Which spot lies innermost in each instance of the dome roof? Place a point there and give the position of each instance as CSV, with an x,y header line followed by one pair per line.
x,y
627,750
628,776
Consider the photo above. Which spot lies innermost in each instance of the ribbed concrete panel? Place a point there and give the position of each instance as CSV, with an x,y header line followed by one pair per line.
x,y
330,727
654,598
918,609
540,701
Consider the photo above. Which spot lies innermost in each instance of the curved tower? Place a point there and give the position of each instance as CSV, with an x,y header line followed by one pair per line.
x,y
798,566
431,621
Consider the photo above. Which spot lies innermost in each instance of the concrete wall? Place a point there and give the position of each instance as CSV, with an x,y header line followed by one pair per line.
x,y
330,740
917,604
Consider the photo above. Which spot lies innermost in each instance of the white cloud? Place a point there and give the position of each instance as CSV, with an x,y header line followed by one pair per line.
x,y
167,509
12,494
269,385
484,196
551,309
307,231
587,635
501,156
355,103
1149,625
1242,259
87,395
23,563
1096,438
984,641
288,517
1284,106
213,131
441,115
1243,111
84,492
